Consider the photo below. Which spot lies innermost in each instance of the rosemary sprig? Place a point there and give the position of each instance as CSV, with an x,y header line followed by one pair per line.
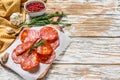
x,y
40,43
60,23
43,18
44,22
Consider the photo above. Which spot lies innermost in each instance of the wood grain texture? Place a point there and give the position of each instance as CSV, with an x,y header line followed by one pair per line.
x,y
84,72
89,17
91,51
81,1
93,25
73,72
79,8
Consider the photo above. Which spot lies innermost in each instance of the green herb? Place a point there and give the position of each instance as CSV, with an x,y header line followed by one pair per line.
x,y
46,19
44,22
60,23
40,43
43,18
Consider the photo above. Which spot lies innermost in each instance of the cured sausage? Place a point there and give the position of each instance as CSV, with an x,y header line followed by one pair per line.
x,y
48,33
29,35
30,61
41,54
16,59
24,34
45,51
51,35
23,47
49,60
27,61
55,44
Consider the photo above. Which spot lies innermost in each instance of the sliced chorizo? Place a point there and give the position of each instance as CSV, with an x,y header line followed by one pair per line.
x,y
24,34
30,61
23,47
48,60
45,50
46,53
55,44
16,59
29,35
48,33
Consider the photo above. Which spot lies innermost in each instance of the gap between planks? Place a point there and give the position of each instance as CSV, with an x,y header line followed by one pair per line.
x,y
94,36
86,63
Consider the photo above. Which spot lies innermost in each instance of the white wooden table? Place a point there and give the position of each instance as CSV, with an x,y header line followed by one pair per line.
x,y
94,53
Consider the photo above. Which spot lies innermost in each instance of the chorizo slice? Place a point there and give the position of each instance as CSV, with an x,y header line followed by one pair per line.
x,y
24,34
48,60
30,61
29,35
55,44
23,47
16,58
45,50
48,33
46,53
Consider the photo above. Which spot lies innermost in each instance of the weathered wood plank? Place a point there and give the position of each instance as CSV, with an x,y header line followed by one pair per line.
x,y
102,1
79,8
89,19
84,72
84,24
73,72
93,25
92,50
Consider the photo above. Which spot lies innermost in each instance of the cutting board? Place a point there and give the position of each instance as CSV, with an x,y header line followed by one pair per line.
x,y
43,68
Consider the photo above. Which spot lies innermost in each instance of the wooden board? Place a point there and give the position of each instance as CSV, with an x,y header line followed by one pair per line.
x,y
42,69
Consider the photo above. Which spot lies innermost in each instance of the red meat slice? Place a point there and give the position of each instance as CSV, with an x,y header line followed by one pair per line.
x,y
23,47
55,44
29,35
16,59
49,60
48,33
46,53
45,50
30,61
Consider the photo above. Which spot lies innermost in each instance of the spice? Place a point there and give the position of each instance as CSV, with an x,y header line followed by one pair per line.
x,y
35,7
